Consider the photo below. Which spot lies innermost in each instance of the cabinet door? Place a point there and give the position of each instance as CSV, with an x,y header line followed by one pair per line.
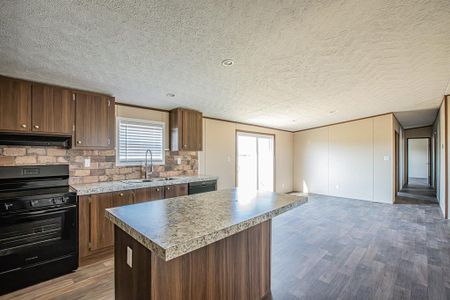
x,y
101,229
188,135
192,130
176,190
148,194
94,121
52,109
199,131
15,108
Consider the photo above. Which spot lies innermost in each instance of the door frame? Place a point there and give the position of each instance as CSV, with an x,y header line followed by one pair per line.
x,y
397,160
429,157
237,131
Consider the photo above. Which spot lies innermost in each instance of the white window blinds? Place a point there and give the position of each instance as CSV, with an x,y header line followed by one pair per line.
x,y
134,137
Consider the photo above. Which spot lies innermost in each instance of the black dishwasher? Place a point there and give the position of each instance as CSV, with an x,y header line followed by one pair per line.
x,y
202,187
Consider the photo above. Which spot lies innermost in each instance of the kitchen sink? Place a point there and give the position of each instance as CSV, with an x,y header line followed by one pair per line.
x,y
137,180
148,180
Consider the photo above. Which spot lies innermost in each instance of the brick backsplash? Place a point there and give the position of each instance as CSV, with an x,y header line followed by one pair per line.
x,y
103,163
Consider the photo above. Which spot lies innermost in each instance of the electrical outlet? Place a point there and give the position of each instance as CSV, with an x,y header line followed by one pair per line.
x,y
87,162
337,186
386,157
129,257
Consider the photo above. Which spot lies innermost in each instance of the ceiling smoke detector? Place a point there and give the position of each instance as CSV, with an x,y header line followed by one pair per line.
x,y
227,62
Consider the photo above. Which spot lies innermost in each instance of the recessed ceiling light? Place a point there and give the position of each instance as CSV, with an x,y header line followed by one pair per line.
x,y
170,95
227,62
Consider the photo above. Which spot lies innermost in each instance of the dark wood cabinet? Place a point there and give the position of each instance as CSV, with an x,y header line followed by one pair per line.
x,y
186,130
94,121
177,190
96,234
41,109
148,194
101,229
52,110
15,105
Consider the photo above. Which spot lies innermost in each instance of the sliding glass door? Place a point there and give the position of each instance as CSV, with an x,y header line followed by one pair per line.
x,y
255,161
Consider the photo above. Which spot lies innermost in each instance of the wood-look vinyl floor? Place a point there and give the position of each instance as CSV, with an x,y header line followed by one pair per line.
x,y
329,248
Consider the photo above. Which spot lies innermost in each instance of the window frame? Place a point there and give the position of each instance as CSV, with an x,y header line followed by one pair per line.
x,y
130,164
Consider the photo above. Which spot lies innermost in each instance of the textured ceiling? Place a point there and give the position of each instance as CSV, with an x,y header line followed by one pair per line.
x,y
298,64
417,118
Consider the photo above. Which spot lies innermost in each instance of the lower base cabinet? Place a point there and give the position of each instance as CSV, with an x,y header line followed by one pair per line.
x,y
96,233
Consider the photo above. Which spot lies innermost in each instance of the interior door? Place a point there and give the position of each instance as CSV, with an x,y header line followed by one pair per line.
x,y
52,109
15,111
255,161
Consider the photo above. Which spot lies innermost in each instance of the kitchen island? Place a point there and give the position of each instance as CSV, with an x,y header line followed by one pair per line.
x,y
215,245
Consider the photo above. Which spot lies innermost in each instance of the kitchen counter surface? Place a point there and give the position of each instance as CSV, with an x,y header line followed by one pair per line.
x,y
173,227
115,186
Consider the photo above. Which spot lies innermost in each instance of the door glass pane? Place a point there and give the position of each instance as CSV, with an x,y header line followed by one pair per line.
x,y
265,164
255,161
247,162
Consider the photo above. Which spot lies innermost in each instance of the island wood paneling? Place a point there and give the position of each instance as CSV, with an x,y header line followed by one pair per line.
x,y
237,267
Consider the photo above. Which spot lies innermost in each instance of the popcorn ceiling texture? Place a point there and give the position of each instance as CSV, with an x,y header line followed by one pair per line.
x,y
103,166
295,61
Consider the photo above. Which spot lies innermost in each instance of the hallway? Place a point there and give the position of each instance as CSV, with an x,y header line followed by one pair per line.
x,y
417,191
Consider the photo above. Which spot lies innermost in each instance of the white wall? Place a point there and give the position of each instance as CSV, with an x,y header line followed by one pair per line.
x,y
351,160
418,158
219,153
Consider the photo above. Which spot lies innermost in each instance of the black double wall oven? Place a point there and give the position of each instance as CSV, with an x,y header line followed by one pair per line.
x,y
38,225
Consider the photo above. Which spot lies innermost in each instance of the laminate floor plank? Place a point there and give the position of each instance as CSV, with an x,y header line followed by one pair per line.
x,y
329,248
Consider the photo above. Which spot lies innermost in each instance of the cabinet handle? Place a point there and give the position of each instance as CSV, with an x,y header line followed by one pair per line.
x,y
121,194
78,142
36,126
23,125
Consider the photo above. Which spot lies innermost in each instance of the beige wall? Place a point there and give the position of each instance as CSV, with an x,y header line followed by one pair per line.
x,y
219,153
145,114
351,160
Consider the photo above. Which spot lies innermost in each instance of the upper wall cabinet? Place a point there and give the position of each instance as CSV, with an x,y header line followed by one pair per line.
x,y
52,110
186,130
94,121
15,105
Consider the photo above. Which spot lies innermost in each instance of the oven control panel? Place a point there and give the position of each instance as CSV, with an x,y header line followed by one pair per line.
x,y
16,205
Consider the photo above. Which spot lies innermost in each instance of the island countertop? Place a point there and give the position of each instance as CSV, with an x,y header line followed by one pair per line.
x,y
173,227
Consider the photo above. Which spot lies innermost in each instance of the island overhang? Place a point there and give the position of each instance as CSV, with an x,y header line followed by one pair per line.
x,y
174,227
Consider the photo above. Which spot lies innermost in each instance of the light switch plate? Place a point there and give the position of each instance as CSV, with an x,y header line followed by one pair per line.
x,y
87,162
178,160
129,257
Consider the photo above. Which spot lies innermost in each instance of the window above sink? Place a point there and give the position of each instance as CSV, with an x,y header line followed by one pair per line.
x,y
134,137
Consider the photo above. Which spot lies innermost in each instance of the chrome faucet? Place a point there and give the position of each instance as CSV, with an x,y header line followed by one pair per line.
x,y
146,163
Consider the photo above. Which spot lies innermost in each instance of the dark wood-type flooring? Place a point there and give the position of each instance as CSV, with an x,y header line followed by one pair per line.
x,y
329,248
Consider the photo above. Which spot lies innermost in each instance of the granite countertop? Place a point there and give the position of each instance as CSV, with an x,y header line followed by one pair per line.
x,y
173,227
115,186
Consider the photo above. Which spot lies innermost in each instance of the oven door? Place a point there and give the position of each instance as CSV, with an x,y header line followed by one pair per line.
x,y
35,237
